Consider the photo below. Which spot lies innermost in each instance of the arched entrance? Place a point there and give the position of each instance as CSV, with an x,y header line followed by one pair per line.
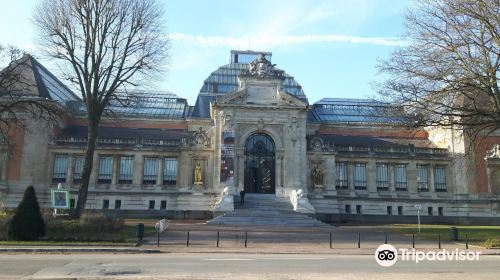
x,y
260,164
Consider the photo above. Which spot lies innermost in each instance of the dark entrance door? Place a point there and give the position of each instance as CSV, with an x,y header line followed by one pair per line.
x,y
259,164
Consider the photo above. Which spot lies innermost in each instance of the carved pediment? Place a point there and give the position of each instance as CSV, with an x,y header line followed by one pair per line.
x,y
261,95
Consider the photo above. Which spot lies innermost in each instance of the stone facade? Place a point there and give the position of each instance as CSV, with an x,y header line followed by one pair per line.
x,y
338,159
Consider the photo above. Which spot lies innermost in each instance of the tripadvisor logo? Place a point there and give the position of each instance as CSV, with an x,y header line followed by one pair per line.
x,y
386,255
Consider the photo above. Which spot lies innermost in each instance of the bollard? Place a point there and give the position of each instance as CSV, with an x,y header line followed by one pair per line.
x,y
158,239
386,238
359,240
217,239
246,238
439,240
331,247
187,240
466,241
413,240
140,231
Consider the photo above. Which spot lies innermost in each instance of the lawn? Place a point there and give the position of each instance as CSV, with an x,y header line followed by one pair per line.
x,y
96,230
487,236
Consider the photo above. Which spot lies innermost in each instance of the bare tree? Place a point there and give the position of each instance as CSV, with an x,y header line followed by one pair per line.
x,y
447,74
106,47
18,103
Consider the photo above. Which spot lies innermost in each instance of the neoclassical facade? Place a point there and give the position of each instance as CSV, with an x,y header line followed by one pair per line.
x,y
252,128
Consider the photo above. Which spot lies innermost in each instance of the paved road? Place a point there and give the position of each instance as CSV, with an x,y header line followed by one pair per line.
x,y
235,266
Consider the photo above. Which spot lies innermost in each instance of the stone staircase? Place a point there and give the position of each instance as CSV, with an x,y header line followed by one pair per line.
x,y
265,209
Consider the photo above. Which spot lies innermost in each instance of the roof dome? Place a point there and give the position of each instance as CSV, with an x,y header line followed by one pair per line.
x,y
224,80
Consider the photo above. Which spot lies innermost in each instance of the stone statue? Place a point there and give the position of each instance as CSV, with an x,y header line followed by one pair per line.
x,y
317,176
197,174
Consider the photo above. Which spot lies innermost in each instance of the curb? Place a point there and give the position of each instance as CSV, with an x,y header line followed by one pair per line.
x,y
79,250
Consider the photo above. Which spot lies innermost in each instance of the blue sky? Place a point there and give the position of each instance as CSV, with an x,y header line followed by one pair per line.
x,y
330,47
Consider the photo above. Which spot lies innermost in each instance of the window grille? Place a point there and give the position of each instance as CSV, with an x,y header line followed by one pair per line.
x,y
78,169
423,177
105,170
150,173
126,170
60,168
342,176
400,177
382,177
360,176
440,178
170,171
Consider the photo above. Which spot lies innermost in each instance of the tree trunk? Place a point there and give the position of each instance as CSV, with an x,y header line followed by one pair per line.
x,y
87,170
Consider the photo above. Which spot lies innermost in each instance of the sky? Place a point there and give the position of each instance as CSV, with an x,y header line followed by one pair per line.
x,y
331,47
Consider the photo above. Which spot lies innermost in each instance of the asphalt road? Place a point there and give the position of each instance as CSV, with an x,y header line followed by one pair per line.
x,y
235,266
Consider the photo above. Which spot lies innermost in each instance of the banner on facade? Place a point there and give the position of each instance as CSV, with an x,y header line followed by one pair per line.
x,y
227,158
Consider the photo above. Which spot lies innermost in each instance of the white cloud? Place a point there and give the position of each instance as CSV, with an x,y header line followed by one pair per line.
x,y
270,41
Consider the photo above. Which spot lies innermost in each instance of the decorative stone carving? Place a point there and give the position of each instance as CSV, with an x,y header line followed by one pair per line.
x,y
494,152
317,176
198,174
262,68
200,139
316,144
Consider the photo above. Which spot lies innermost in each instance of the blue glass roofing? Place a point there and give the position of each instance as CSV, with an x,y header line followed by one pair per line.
x,y
346,110
144,104
49,86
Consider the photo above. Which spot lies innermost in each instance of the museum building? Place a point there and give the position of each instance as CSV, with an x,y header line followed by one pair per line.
x,y
252,128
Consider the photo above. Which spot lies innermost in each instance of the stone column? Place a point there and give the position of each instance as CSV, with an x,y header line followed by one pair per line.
x,y
350,176
411,177
217,149
137,177
95,170
159,177
3,160
371,176
432,186
329,173
116,165
392,177
279,171
69,173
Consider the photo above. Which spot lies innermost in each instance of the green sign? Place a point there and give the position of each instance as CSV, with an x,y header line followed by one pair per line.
x,y
60,199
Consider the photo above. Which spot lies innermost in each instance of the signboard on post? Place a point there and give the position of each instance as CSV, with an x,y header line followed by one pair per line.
x,y
161,226
60,199
418,207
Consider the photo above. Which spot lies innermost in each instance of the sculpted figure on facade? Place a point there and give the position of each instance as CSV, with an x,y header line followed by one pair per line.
x,y
198,179
317,176
261,67
494,152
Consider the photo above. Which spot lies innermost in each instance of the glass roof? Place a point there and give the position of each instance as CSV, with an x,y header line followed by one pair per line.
x,y
50,86
224,80
347,110
144,104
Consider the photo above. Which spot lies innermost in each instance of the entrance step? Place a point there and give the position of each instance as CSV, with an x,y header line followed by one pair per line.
x,y
265,209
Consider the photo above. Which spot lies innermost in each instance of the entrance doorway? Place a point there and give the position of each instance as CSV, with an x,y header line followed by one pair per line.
x,y
260,164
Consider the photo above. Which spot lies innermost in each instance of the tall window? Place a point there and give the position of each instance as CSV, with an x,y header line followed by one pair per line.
x,y
60,168
360,176
423,177
78,169
150,173
170,171
382,176
105,173
126,170
440,178
400,177
342,181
